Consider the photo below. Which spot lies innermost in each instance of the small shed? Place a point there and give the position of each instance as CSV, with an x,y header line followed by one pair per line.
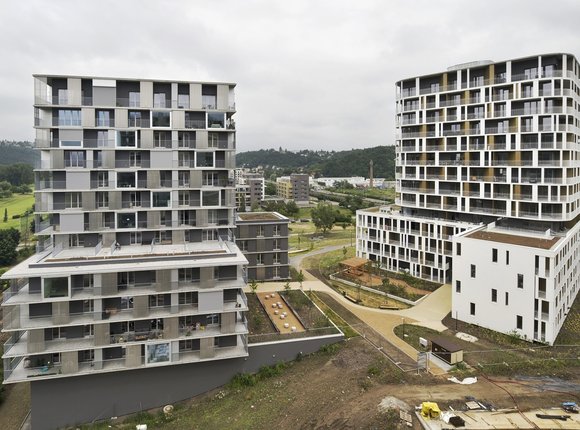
x,y
354,266
446,350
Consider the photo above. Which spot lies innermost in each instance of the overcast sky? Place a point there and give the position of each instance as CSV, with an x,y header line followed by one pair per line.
x,y
310,74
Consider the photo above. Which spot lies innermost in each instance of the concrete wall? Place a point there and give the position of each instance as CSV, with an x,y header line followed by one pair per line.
x,y
70,401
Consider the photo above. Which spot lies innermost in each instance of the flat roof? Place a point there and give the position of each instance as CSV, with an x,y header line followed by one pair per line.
x,y
42,75
446,344
531,241
354,262
261,216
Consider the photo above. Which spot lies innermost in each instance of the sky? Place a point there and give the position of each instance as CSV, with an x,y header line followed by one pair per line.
x,y
310,74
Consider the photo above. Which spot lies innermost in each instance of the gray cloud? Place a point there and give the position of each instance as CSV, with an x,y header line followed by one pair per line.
x,y
311,74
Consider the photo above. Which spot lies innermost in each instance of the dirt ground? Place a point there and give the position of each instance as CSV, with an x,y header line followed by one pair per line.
x,y
342,390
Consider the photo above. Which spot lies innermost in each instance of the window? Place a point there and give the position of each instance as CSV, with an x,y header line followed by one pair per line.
x,y
276,258
134,99
161,199
458,249
126,139
190,274
55,287
260,231
102,199
507,298
494,255
73,200
215,120
243,245
507,257
259,259
135,238
159,100
74,158
136,119
157,301
276,231
213,140
520,280
70,118
458,286
494,295
212,319
183,101
126,220
75,240
103,118
276,244
519,322
472,309
211,198
160,119
204,159
184,198
473,270
134,159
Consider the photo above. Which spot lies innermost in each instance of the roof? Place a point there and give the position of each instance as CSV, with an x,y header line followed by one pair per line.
x,y
354,262
532,241
261,216
182,81
446,344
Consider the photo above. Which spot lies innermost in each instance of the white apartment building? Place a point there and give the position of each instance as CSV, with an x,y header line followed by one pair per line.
x,y
495,147
136,265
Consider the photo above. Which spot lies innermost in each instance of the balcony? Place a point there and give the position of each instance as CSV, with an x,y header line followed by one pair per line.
x,y
195,124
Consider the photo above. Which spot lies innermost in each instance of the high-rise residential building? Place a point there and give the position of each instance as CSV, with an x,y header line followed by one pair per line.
x,y
136,265
294,187
488,185
263,238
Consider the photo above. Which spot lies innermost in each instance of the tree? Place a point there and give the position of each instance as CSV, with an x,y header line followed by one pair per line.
x,y
5,214
5,189
300,278
9,239
287,287
344,251
253,286
292,208
323,217
270,188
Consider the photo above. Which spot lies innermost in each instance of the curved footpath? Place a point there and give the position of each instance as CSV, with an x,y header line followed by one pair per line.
x,y
428,313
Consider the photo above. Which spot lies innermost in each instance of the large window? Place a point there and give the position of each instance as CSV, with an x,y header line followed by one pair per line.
x,y
161,199
126,220
126,139
73,200
211,198
215,120
55,287
160,119
71,118
74,159
204,159
158,353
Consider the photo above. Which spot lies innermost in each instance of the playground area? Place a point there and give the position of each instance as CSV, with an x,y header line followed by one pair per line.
x,y
280,313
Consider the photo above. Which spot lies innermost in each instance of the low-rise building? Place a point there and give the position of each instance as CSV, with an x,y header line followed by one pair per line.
x,y
249,190
263,239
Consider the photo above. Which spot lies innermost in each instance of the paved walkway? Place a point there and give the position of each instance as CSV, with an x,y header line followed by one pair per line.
x,y
428,313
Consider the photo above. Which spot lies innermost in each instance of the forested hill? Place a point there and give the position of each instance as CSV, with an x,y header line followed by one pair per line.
x,y
17,152
354,162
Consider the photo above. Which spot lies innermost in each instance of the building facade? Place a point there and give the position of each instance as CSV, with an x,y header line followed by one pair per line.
x,y
136,265
486,145
294,187
263,238
249,190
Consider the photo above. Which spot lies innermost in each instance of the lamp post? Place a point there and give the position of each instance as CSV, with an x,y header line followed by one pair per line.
x,y
403,328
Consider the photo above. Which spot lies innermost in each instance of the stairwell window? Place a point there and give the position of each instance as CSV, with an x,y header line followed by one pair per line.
x,y
472,309
520,280
473,270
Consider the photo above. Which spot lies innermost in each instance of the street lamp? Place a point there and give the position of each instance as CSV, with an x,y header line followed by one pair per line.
x,y
403,328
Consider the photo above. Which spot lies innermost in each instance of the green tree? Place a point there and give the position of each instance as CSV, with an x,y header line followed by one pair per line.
x,y
323,217
253,286
287,287
292,208
5,189
270,188
300,278
344,251
9,239
5,214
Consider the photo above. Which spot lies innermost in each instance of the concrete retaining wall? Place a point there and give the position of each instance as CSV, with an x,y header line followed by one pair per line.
x,y
81,399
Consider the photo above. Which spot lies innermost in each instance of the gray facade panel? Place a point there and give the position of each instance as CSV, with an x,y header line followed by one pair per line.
x,y
120,393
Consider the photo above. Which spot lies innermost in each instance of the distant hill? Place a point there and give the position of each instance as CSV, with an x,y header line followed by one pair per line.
x,y
354,162
12,152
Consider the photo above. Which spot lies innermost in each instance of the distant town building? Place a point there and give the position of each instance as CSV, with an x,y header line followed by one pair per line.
x,y
488,186
355,181
263,238
249,190
294,187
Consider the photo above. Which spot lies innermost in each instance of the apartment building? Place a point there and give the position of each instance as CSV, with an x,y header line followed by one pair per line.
x,y
136,265
294,187
488,171
249,190
263,238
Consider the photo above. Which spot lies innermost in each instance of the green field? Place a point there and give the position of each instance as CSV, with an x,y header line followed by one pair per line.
x,y
16,205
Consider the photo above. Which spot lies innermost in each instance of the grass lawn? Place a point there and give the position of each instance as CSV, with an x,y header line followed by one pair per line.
x,y
16,205
328,260
302,234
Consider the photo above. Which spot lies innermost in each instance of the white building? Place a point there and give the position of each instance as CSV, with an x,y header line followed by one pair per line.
x,y
496,145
